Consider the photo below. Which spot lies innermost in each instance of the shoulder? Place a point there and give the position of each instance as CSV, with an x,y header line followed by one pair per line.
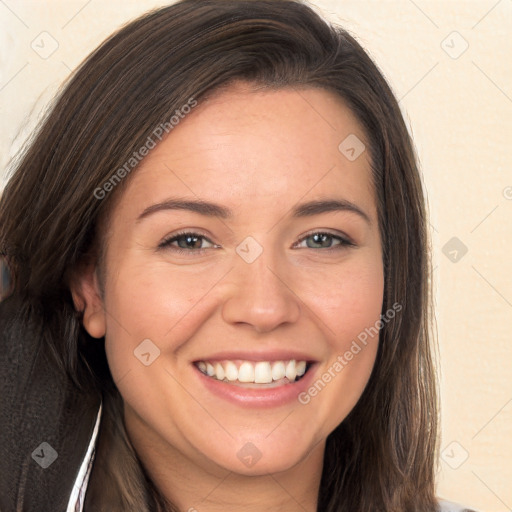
x,y
450,506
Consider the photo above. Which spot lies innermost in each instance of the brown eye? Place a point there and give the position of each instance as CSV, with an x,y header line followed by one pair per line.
x,y
185,242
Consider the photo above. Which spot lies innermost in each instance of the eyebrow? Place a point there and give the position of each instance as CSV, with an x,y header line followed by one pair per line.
x,y
209,209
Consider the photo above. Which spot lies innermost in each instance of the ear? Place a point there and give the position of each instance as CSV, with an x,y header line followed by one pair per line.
x,y
86,294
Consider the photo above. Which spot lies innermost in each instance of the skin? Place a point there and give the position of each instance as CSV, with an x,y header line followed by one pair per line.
x,y
258,153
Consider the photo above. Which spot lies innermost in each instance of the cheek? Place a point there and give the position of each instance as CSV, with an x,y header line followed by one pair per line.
x,y
151,301
350,299
350,311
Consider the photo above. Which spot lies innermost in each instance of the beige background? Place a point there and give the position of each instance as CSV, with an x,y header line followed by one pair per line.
x,y
458,105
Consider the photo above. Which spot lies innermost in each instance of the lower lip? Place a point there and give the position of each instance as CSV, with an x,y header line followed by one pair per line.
x,y
264,397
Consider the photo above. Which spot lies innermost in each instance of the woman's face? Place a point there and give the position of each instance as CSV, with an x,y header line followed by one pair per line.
x,y
246,240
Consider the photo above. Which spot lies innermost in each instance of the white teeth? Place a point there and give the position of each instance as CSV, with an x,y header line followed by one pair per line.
x,y
246,372
278,370
210,370
291,371
219,371
301,368
231,371
262,372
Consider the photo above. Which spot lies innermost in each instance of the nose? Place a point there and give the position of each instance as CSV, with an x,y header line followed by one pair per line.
x,y
261,296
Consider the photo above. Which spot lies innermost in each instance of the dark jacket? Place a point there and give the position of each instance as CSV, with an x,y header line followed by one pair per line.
x,y
46,423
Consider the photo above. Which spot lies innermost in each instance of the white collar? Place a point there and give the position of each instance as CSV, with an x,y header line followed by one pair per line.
x,y
76,500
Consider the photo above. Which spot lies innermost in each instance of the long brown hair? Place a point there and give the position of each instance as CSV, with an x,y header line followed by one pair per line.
x,y
382,456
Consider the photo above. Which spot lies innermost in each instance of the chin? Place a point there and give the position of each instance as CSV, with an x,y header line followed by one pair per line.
x,y
261,456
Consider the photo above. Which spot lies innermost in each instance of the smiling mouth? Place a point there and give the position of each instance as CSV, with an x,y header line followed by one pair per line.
x,y
250,374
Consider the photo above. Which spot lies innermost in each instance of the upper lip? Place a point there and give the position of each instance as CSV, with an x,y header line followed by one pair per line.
x,y
255,355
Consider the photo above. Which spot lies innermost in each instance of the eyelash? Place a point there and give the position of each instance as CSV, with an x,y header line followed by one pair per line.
x,y
166,243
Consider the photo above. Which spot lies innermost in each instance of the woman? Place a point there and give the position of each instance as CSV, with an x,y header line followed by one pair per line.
x,y
220,278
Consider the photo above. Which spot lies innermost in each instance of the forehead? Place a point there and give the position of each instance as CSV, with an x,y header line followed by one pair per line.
x,y
248,148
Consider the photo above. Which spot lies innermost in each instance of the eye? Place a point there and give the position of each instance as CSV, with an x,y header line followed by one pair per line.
x,y
323,240
187,242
